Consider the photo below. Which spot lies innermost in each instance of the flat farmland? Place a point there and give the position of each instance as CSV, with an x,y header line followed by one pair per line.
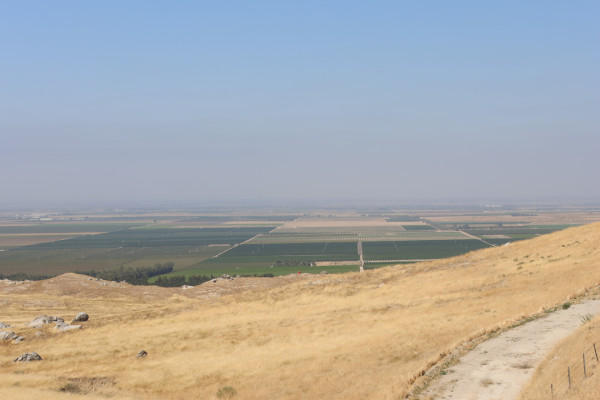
x,y
326,251
27,233
356,235
159,237
53,262
68,228
127,248
419,250
255,243
8,241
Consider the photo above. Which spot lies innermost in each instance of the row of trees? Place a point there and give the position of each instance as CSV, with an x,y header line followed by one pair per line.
x,y
22,276
134,276
293,263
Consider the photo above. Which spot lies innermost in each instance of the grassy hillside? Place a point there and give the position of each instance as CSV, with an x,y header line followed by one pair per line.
x,y
353,336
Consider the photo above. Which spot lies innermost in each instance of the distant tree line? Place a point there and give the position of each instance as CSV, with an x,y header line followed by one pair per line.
x,y
293,263
22,276
133,276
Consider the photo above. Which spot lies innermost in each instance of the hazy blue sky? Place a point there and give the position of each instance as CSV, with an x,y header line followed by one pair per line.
x,y
192,101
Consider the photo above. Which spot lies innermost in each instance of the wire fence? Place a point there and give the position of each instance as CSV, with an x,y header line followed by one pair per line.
x,y
586,366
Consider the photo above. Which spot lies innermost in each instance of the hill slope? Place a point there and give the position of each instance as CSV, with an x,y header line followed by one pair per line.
x,y
350,336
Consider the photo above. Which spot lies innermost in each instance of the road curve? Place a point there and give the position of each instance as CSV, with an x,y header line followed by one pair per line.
x,y
499,368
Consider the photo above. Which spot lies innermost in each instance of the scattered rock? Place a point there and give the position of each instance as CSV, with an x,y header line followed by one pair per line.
x,y
61,325
142,354
18,340
7,335
66,327
33,356
81,317
39,321
39,333
324,272
4,326
186,287
223,277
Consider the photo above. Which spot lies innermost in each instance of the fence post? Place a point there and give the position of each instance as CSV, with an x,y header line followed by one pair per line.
x,y
584,371
595,352
569,372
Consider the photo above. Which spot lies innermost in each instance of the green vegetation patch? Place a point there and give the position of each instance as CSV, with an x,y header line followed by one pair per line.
x,y
328,251
419,250
418,227
157,238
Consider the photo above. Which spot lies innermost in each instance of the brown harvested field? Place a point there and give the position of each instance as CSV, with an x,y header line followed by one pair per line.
x,y
569,353
336,223
353,336
535,218
16,240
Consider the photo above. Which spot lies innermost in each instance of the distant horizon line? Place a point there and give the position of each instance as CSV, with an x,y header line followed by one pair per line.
x,y
414,203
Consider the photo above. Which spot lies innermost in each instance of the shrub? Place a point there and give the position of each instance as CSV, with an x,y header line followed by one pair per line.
x,y
226,392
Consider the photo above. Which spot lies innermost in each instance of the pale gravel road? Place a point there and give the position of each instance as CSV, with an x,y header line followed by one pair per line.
x,y
499,368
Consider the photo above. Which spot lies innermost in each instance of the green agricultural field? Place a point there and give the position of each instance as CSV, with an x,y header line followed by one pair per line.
x,y
419,250
319,251
158,237
277,258
365,236
53,262
418,227
131,247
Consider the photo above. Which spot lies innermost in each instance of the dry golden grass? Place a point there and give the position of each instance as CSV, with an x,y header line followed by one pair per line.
x,y
351,336
553,370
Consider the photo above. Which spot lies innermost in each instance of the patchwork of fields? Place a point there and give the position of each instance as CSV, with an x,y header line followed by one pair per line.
x,y
259,244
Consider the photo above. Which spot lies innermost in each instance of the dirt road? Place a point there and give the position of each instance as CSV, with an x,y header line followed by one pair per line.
x,y
498,368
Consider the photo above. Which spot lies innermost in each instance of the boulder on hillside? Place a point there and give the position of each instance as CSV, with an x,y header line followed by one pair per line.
x,y
33,356
81,317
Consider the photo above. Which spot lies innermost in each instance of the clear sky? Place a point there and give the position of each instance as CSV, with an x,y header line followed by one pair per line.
x,y
201,101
